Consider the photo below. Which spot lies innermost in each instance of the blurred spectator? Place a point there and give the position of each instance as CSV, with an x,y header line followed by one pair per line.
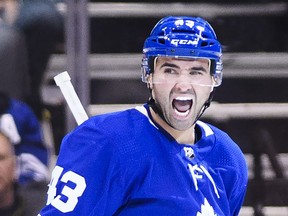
x,y
42,27
19,122
12,201
9,199
23,130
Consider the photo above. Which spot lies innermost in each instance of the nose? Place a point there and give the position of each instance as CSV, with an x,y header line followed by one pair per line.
x,y
183,83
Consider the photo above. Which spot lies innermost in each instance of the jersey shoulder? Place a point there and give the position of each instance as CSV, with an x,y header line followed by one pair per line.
x,y
224,151
103,133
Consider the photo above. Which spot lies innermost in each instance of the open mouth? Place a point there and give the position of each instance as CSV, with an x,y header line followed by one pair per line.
x,y
182,105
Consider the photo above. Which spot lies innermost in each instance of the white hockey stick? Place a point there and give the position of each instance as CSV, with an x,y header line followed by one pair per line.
x,y
63,80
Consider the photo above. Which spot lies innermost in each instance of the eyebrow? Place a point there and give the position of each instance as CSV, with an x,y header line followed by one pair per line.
x,y
166,64
199,68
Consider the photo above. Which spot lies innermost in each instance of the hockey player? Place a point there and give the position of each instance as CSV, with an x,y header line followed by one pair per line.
x,y
157,159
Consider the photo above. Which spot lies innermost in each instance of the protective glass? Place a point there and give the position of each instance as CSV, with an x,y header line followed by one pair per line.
x,y
171,74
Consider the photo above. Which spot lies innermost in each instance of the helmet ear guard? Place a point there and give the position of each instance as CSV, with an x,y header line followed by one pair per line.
x,y
147,67
216,71
145,70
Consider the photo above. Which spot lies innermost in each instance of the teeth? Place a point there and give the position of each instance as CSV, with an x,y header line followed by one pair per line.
x,y
183,98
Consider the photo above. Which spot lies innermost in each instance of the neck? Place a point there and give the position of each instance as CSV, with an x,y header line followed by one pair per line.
x,y
182,137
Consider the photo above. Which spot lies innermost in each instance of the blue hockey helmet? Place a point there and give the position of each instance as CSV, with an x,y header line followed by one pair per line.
x,y
183,37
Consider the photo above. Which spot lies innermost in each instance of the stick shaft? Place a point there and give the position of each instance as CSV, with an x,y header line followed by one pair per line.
x,y
63,80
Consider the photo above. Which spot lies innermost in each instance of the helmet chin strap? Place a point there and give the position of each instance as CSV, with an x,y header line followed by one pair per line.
x,y
156,108
206,105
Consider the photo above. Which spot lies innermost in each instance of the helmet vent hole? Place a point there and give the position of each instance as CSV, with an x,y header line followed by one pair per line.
x,y
161,40
204,43
183,31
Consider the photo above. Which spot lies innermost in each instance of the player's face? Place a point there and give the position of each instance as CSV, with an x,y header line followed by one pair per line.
x,y
181,87
7,165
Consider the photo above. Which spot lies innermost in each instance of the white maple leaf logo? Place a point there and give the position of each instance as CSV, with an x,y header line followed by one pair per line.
x,y
206,209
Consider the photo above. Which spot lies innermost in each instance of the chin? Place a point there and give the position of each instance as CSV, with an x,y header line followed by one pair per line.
x,y
182,126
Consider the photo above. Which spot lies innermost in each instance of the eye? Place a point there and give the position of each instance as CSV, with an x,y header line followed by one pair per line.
x,y
196,72
170,71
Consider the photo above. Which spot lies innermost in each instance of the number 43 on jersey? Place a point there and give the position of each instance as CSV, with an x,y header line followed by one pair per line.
x,y
71,195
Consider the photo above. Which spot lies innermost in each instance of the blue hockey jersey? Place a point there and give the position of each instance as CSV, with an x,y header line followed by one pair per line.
x,y
124,164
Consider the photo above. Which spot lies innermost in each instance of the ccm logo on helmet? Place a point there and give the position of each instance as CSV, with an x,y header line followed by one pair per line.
x,y
176,42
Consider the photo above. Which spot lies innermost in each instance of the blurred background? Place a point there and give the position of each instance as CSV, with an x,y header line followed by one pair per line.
x,y
101,49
